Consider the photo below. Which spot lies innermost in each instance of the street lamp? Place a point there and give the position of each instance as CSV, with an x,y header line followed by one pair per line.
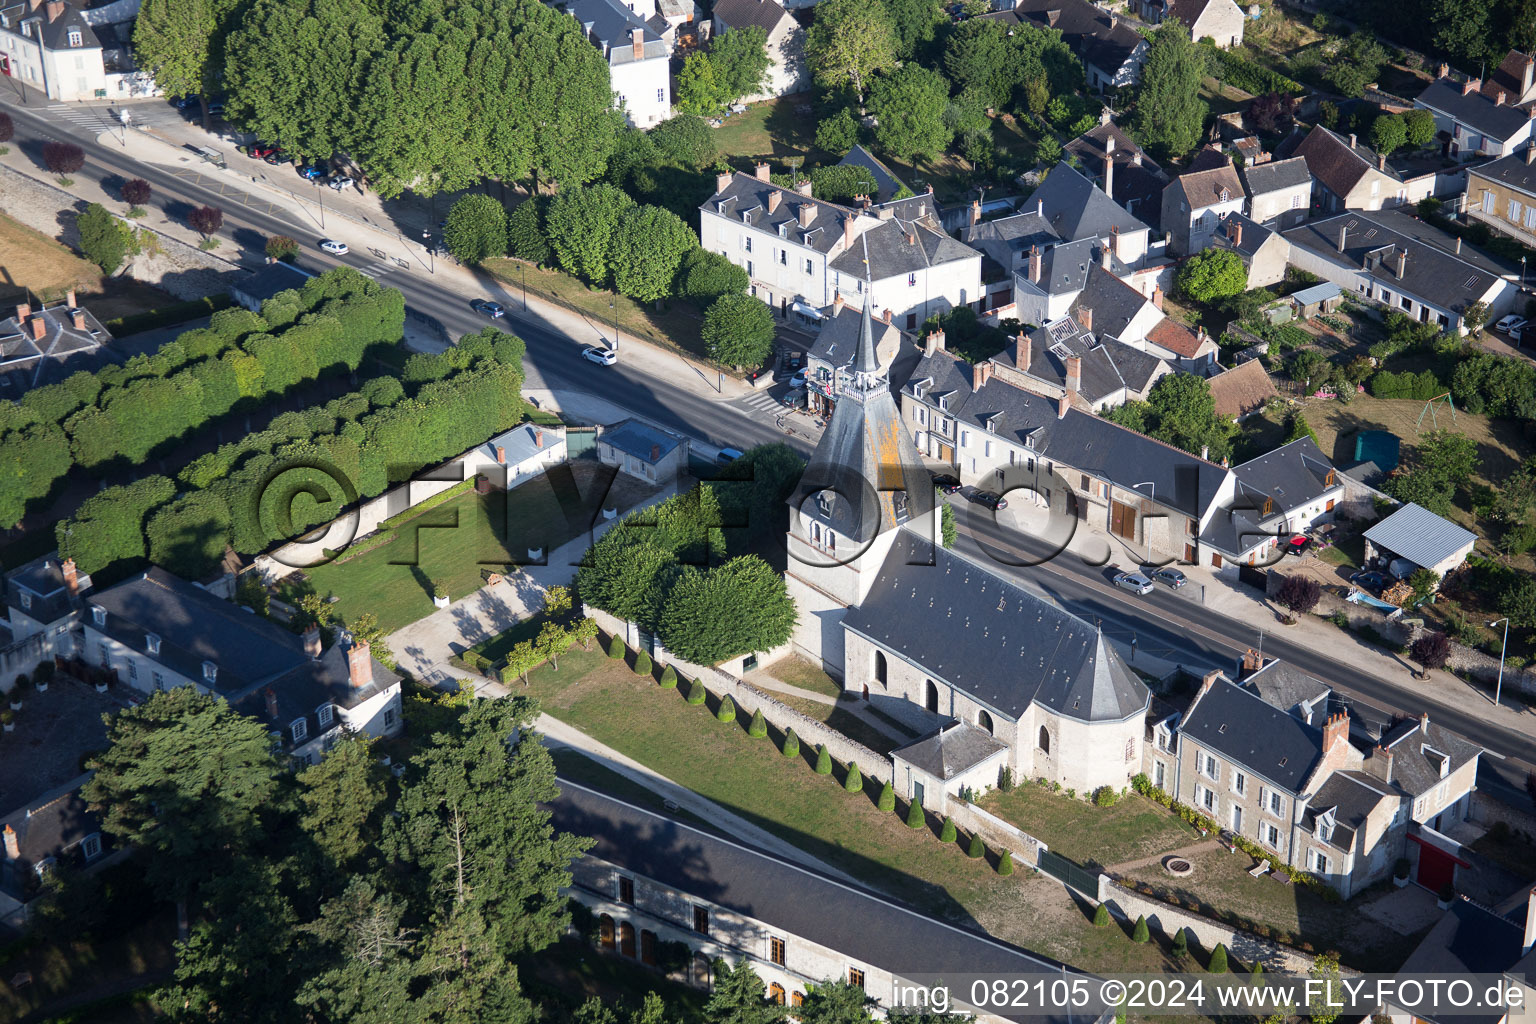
x,y
613,305
1152,497
522,272
426,243
1498,690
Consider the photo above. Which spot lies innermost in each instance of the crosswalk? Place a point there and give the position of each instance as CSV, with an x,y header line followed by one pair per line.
x,y
762,402
95,119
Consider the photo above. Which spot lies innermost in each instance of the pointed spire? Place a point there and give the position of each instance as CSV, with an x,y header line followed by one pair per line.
x,y
864,361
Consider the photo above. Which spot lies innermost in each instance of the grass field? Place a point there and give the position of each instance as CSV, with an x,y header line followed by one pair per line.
x,y
796,671
751,778
844,721
1098,836
451,545
33,261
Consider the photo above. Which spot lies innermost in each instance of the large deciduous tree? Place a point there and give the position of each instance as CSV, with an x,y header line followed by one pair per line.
x,y
1212,275
741,57
733,609
849,43
581,223
177,41
649,244
1170,114
738,330
916,24
476,229
1184,414
909,106
102,238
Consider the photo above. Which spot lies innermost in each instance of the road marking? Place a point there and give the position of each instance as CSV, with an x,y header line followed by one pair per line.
x,y
761,401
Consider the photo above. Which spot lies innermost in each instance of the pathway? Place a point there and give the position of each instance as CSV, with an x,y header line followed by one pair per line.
x,y
851,705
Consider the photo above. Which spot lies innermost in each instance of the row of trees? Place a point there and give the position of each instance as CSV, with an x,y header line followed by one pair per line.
x,y
244,494
427,96
129,411
404,900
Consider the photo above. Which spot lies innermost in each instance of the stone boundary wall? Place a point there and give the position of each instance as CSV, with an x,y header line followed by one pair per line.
x,y
997,833
749,699
1489,810
1129,905
185,271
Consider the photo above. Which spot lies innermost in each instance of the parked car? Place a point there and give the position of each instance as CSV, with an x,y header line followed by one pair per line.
x,y
946,483
216,108
490,309
1298,545
600,356
990,499
334,247
1135,582
1510,324
340,182
729,455
798,380
1168,576
183,102
314,172
794,398
261,150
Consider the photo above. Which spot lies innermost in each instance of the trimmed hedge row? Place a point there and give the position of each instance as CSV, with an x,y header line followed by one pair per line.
x,y
166,316
425,504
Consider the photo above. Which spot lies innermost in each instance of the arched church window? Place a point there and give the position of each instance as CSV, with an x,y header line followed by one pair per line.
x,y
985,721
931,697
880,669
1045,740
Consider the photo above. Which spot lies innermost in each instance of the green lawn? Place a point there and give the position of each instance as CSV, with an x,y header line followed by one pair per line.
x,y
796,671
575,766
452,546
496,649
844,721
750,777
1100,836
771,131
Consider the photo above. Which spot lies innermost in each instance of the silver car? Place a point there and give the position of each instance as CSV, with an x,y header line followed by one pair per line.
x,y
1135,582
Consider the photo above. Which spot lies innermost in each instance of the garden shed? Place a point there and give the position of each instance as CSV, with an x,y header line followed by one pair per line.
x,y
1415,535
1319,298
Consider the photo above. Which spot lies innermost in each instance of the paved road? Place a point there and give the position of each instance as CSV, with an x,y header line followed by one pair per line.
x,y
1162,622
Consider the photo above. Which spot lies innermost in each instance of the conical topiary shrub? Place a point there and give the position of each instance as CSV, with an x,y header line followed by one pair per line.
x,y
759,727
1218,964
947,833
1101,916
1180,944
1141,933
669,678
1005,863
696,693
887,801
791,743
642,664
727,712
1257,974
616,648
977,847
823,760
854,783
915,816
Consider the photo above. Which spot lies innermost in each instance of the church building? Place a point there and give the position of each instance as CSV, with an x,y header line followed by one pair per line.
x,y
995,675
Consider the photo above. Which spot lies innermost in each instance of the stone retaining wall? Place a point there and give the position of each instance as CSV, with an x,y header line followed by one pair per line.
x,y
749,699
1489,810
996,832
1128,906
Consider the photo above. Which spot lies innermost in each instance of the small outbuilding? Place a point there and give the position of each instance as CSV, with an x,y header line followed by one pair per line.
x,y
518,455
1319,298
255,288
642,450
1413,537
956,756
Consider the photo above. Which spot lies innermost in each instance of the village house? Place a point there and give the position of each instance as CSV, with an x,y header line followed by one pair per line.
x,y
785,41
1242,391
1473,939
517,455
1121,168
1219,20
1265,253
156,631
1349,175
635,42
652,882
1195,203
1403,263
643,451
1475,124
1112,51
44,344
1502,194
49,45
829,356
1182,348
1279,192
1413,537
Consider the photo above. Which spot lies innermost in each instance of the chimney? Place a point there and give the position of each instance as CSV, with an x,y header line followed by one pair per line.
x,y
12,844
23,310
1026,354
1335,731
1351,140
1470,86
39,327
774,199
271,696
1104,257
1235,232
1074,374
312,641
1402,263
1381,161
886,316
71,575
1252,661
1062,405
1157,298
804,187
501,456
71,299
1136,157
1526,78
1445,71
723,181
1105,116
847,232
1500,97
360,665
55,8
761,170
806,213
1209,680
1085,318
1034,264
637,38
1114,240
911,238
975,211
1039,207
1109,166
1382,758
838,302
933,343
78,317
538,437
1530,900
1424,723
1341,238
655,453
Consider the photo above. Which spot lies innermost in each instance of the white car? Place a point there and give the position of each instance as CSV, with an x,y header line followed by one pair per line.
x,y
600,356
333,247
1510,325
798,380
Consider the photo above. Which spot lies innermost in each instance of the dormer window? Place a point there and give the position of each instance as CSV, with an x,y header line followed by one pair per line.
x,y
26,600
151,643
299,729
784,229
98,615
74,37
210,672
1328,480
1269,505
90,846
324,714
1325,827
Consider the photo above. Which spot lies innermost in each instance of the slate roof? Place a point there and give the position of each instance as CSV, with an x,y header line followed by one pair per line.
x,y
1282,685
640,440
951,750
1409,226
763,14
1470,938
1113,302
1009,412
1236,724
1168,333
1275,175
885,179
859,924
1235,532
1242,390
1076,208
42,580
746,194
1332,161
261,285
301,692
893,248
1351,796
1417,769
523,441
1371,246
1293,475
1108,365
27,362
1205,188
1094,445
839,337
612,23
1064,267
992,639
1417,534
1475,110
865,476
1008,239
1094,36
1511,170
53,33
1132,182
54,827
1250,235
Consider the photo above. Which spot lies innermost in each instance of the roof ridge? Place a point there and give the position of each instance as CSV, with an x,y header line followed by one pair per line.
x,y
1155,440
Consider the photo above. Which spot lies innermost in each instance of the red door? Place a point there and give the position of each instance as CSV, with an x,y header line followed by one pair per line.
x,y
1437,869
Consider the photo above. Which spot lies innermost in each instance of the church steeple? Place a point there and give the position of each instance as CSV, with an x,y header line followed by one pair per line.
x,y
866,364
